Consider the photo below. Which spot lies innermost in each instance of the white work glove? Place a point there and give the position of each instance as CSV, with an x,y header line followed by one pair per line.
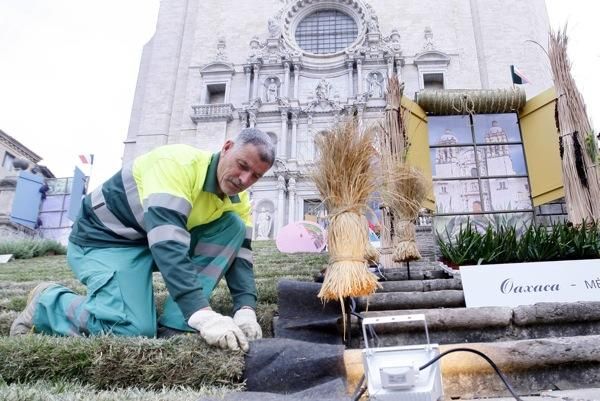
x,y
218,330
245,318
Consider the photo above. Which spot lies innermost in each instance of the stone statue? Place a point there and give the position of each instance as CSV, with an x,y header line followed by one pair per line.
x,y
272,90
373,24
263,224
375,85
322,90
255,49
274,29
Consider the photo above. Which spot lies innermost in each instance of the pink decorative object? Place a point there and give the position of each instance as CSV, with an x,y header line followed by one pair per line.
x,y
301,236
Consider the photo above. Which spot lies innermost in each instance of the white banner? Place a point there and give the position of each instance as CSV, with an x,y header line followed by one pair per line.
x,y
514,284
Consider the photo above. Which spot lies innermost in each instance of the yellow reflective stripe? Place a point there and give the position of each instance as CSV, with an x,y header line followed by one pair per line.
x,y
107,218
133,196
246,254
168,232
168,201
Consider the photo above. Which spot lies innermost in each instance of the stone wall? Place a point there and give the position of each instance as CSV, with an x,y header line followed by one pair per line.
x,y
201,43
551,213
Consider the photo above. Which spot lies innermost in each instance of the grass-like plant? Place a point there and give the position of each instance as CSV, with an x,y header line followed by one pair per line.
x,y
104,367
31,248
508,243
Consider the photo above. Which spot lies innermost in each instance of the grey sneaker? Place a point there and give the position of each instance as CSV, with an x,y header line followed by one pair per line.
x,y
23,324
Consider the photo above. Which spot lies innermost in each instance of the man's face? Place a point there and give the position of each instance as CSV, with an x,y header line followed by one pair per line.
x,y
239,168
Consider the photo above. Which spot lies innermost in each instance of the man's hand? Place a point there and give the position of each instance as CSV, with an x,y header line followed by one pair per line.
x,y
218,330
245,318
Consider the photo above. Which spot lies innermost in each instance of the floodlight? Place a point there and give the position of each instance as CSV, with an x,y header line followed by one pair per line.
x,y
393,373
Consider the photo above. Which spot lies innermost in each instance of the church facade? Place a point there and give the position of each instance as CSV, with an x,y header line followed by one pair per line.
x,y
292,68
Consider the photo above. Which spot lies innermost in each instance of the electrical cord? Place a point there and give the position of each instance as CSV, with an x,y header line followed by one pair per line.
x,y
484,356
361,388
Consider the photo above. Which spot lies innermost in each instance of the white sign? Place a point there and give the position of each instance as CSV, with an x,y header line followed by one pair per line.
x,y
514,284
6,258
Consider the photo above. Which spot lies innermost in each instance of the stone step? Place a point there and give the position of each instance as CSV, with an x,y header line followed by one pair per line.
x,y
421,271
531,366
387,301
488,324
421,285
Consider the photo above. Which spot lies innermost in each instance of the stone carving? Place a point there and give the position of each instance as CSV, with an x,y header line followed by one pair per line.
x,y
323,101
280,183
393,42
274,29
323,90
221,46
255,49
283,101
375,85
264,222
271,90
271,51
428,34
373,24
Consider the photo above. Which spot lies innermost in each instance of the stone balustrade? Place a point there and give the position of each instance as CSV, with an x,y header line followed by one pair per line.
x,y
212,112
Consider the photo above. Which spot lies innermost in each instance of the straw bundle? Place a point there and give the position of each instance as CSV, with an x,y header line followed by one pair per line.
x,y
404,187
409,187
580,173
345,177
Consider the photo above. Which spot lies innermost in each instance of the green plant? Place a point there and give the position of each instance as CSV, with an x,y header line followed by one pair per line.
x,y
507,243
463,249
31,248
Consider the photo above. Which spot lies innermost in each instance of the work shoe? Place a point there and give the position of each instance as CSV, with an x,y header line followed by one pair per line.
x,y
23,324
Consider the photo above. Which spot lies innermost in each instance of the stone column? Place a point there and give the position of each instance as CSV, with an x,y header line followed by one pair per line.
x,y
286,80
292,199
296,80
248,72
390,66
252,118
280,201
294,151
350,65
256,69
360,110
399,69
359,75
282,143
311,138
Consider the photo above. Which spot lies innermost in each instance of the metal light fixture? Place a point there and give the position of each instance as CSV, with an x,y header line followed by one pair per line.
x,y
393,373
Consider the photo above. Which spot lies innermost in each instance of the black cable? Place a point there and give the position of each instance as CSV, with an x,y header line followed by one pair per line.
x,y
360,389
484,356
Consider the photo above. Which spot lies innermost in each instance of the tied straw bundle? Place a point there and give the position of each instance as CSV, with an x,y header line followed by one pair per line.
x,y
581,175
408,189
404,186
344,175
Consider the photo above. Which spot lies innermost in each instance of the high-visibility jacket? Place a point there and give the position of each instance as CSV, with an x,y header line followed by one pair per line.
x,y
156,201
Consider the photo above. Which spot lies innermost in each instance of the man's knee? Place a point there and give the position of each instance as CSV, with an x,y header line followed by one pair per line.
x,y
138,329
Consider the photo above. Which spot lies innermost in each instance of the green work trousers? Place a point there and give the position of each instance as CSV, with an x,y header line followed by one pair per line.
x,y
119,297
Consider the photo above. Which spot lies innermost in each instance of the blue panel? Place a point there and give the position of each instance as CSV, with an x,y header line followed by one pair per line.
x,y
27,200
77,193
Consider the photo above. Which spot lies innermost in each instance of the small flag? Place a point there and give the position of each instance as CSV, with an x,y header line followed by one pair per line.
x,y
87,159
518,77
